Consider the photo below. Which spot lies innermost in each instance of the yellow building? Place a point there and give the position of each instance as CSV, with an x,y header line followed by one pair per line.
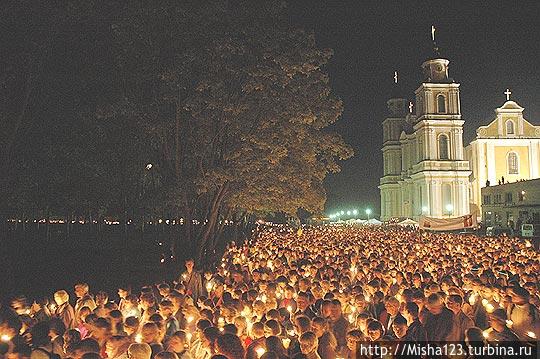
x,y
506,150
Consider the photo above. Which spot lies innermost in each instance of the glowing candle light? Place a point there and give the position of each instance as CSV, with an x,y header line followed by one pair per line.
x,y
509,323
531,335
289,308
138,338
484,302
5,338
485,333
472,299
490,308
260,351
209,287
286,342
190,319
188,337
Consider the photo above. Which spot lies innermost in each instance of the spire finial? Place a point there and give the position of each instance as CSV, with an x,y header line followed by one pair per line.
x,y
435,47
395,77
508,93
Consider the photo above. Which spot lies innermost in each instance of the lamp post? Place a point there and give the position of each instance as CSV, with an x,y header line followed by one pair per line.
x,y
368,212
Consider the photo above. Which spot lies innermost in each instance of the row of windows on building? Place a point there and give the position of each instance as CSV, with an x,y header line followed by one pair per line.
x,y
508,198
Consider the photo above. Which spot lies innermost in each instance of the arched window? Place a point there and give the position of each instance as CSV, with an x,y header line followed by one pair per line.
x,y
513,163
509,127
441,104
443,147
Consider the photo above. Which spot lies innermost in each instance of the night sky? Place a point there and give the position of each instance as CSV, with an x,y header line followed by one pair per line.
x,y
491,45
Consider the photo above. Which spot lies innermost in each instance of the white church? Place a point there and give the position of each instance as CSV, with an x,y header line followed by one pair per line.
x,y
427,169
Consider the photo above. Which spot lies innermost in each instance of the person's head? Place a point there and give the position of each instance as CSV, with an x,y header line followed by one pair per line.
x,y
114,345
81,289
353,337
257,330
392,306
91,356
319,326
131,325
230,345
519,295
497,319
410,311
190,263
123,292
61,297
166,355
56,327
178,342
302,301
302,324
209,337
435,304
166,308
272,327
308,343
454,302
102,328
375,330
139,351
87,345
150,333
399,326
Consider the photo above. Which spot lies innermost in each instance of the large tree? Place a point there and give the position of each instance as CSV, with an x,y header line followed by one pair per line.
x,y
238,100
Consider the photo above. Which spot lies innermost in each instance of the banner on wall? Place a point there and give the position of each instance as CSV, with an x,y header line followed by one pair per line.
x,y
448,224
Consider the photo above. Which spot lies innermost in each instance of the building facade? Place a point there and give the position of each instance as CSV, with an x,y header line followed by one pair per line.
x,y
511,204
506,150
425,172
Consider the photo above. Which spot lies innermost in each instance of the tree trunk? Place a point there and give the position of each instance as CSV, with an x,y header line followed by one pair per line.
x,y
212,220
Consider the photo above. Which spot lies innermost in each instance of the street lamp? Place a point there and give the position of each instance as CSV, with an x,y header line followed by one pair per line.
x,y
424,209
368,212
355,212
342,213
348,213
449,209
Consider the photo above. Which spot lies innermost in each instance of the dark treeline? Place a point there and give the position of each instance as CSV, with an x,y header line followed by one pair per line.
x,y
205,111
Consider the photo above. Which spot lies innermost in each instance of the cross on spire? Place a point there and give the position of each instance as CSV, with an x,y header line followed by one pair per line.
x,y
432,33
395,77
508,93
410,107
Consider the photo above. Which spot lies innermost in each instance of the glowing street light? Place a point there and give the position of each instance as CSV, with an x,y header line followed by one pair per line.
x,y
424,209
348,213
342,213
368,212
449,209
355,212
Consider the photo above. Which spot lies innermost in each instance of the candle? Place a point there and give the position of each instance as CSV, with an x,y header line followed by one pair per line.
x,y
531,335
138,338
485,333
472,299
509,323
190,319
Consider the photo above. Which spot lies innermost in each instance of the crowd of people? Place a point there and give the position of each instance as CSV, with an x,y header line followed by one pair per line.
x,y
315,293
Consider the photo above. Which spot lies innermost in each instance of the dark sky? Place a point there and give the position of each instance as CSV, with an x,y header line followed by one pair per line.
x,y
491,45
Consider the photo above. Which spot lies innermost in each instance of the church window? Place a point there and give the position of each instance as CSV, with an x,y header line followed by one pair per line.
x,y
443,147
513,165
441,104
509,127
